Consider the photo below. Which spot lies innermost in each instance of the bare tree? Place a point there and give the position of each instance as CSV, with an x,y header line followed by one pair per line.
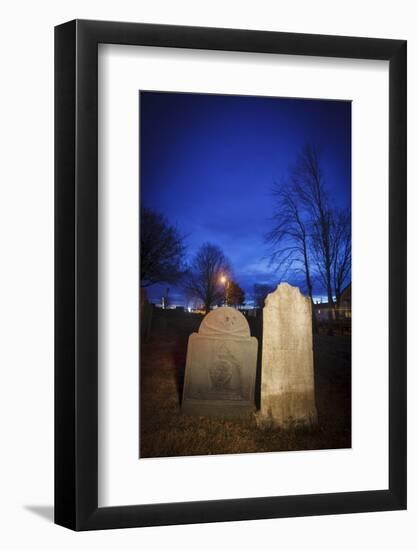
x,y
342,255
260,292
310,189
289,236
161,250
202,280
235,295
310,236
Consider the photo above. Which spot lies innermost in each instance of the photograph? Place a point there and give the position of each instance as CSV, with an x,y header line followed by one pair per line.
x,y
189,193
245,274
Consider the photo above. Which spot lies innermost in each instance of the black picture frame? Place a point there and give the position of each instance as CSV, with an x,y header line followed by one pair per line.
x,y
76,271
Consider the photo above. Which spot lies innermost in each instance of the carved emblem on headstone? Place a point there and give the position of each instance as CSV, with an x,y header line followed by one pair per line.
x,y
225,376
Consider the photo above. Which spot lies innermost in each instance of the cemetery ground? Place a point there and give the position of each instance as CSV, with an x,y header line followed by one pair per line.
x,y
165,431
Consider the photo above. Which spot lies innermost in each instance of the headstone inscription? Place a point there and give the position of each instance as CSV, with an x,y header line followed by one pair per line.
x,y
221,366
287,386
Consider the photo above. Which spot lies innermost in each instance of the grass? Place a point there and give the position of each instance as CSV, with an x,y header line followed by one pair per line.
x,y
164,431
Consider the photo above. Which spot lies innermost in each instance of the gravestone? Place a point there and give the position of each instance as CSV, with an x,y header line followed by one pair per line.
x,y
221,366
287,387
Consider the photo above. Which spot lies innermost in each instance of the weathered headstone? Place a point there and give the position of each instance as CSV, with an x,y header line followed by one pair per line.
x,y
287,387
221,366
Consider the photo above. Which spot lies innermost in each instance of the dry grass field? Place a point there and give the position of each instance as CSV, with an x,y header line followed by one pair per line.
x,y
164,431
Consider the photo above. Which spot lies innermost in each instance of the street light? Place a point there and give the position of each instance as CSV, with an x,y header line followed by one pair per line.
x,y
225,282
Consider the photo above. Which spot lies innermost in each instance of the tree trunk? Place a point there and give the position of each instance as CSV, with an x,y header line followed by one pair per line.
x,y
307,269
329,292
309,287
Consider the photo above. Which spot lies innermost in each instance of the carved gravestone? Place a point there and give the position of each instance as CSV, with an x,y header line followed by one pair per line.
x,y
287,388
221,366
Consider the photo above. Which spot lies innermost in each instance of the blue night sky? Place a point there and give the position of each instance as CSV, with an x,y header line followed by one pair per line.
x,y
208,163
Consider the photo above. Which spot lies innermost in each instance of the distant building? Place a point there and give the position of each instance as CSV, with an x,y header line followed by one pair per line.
x,y
344,307
322,312
336,318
